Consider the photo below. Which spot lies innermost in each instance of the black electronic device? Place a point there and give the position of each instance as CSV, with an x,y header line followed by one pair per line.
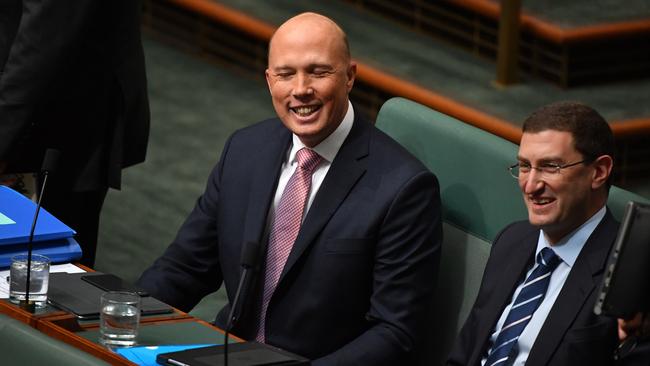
x,y
111,282
70,292
241,354
625,288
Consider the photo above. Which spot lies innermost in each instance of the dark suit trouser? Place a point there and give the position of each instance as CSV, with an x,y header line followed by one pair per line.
x,y
80,211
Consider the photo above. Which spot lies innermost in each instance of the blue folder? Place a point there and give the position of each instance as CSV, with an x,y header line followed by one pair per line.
x,y
58,251
16,215
146,355
52,238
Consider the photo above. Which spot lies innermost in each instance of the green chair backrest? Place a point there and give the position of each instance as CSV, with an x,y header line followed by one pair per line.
x,y
479,198
478,194
618,198
21,344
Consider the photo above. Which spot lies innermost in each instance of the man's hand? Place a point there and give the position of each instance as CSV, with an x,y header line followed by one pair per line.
x,y
638,326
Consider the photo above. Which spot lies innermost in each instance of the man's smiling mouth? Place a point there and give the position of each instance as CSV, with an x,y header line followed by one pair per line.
x,y
304,111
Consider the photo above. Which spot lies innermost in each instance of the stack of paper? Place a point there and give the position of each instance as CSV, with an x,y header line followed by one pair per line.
x,y
52,238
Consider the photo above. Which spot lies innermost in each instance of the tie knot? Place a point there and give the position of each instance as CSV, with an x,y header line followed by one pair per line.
x,y
308,159
548,258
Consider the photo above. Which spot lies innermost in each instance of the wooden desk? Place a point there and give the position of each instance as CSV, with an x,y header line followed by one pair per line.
x,y
14,311
175,328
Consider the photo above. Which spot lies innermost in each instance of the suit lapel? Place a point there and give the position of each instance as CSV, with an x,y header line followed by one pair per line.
x,y
580,283
264,181
519,259
346,169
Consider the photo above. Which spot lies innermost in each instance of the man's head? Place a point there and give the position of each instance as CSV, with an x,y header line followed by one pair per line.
x,y
310,74
565,160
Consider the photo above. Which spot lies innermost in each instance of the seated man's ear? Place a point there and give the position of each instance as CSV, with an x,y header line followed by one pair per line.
x,y
602,170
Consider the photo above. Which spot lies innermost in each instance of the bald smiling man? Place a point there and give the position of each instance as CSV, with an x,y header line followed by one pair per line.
x,y
347,220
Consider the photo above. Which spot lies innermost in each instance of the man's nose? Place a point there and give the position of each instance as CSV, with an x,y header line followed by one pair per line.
x,y
302,86
531,182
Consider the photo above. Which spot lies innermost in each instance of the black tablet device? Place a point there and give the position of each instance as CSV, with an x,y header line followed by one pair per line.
x,y
70,292
239,354
625,288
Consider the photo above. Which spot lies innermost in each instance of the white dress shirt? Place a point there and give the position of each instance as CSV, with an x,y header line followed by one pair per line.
x,y
327,149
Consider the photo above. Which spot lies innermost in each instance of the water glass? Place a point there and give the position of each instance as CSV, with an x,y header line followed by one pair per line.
x,y
39,279
119,318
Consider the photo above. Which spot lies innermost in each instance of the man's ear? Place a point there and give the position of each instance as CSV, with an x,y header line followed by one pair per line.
x,y
352,74
267,75
602,170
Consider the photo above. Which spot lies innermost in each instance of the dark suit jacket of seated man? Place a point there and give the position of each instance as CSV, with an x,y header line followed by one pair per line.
x,y
565,161
358,283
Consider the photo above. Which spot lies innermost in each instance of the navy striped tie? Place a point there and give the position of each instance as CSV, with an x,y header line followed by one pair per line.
x,y
527,301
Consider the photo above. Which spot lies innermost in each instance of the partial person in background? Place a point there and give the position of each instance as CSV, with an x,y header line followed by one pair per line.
x,y
73,78
348,221
638,326
536,300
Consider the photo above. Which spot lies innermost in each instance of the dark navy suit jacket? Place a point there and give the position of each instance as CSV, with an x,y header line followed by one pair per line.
x,y
358,285
572,334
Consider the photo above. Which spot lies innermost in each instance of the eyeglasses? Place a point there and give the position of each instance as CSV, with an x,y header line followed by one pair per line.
x,y
547,169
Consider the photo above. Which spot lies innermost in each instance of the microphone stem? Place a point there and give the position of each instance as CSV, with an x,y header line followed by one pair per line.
x,y
27,305
231,315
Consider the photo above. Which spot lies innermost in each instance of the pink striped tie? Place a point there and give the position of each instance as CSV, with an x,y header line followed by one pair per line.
x,y
288,217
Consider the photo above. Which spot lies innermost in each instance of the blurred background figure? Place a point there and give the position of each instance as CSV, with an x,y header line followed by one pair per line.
x,y
73,78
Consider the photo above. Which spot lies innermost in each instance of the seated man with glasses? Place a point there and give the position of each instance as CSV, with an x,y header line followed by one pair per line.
x,y
535,304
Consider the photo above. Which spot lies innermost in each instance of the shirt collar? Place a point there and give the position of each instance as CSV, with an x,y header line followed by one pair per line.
x,y
570,246
329,147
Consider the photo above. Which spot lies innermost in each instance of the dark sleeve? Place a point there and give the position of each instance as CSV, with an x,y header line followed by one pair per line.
x,y
404,279
44,45
639,356
189,269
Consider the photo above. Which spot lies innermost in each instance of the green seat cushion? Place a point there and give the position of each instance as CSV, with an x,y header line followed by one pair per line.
x,y
21,344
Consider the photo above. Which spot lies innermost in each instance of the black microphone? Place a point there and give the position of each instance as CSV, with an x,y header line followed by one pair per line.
x,y
50,162
249,257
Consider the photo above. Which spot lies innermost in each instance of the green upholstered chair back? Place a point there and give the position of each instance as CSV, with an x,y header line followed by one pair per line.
x,y
478,194
618,198
21,344
479,198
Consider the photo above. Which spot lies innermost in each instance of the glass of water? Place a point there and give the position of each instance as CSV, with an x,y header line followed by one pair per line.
x,y
39,279
119,318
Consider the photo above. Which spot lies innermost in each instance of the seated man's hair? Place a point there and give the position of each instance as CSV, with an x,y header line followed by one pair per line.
x,y
591,133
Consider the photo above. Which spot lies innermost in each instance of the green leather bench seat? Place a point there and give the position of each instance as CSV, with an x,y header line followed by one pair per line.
x,y
21,344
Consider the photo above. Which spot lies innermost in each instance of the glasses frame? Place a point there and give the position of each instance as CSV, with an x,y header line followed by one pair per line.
x,y
557,168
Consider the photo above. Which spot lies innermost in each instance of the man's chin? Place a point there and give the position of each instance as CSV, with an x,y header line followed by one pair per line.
x,y
541,222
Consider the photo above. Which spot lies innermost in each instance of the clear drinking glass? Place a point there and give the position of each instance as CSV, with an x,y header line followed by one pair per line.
x,y
119,318
39,279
